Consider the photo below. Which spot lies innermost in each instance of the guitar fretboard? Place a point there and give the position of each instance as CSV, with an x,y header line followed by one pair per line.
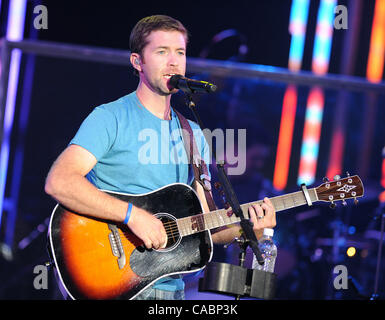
x,y
222,217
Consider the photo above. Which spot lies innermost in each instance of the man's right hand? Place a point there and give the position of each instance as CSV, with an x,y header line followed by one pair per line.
x,y
148,228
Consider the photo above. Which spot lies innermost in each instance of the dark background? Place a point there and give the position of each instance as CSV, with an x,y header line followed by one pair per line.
x,y
64,91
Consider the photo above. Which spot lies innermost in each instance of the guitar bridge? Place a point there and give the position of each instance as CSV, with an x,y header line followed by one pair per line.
x,y
116,245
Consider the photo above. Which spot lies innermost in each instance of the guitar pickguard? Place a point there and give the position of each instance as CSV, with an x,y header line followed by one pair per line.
x,y
156,263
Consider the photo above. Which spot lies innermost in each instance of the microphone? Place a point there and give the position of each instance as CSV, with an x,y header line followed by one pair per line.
x,y
191,86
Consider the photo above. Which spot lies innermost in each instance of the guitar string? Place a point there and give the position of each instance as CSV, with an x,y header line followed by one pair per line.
x,y
169,233
172,231
220,213
172,226
206,217
126,245
125,238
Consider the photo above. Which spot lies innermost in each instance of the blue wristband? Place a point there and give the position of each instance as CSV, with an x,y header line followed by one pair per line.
x,y
128,214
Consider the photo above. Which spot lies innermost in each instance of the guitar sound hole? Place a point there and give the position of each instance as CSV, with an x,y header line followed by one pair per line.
x,y
171,227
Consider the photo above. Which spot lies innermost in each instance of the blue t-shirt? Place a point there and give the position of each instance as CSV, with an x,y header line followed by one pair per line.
x,y
137,152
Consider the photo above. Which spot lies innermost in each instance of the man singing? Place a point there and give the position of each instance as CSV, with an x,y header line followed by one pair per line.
x,y
104,152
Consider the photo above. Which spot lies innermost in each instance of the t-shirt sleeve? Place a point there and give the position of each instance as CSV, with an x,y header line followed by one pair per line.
x,y
97,132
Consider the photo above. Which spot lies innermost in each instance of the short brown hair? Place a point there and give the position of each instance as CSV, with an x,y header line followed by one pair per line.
x,y
138,37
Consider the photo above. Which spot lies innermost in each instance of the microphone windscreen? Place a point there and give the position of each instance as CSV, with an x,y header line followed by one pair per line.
x,y
174,80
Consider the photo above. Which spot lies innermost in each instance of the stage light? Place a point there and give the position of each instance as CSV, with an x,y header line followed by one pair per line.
x,y
315,104
323,38
383,168
317,255
376,57
285,138
311,137
381,197
15,31
297,28
351,251
352,230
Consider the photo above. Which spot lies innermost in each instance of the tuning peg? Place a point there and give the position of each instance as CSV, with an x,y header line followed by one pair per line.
x,y
355,201
344,203
337,177
347,174
332,205
325,179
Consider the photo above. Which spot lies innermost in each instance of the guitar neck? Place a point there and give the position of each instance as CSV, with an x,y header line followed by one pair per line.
x,y
222,217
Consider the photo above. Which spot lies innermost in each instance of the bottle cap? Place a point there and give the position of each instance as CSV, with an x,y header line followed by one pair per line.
x,y
268,232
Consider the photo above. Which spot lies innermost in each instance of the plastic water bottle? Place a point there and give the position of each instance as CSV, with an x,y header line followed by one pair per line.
x,y
268,250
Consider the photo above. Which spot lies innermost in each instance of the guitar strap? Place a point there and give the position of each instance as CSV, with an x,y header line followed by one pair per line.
x,y
197,163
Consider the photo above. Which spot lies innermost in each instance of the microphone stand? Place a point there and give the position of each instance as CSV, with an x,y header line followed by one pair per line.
x,y
246,224
375,295
381,211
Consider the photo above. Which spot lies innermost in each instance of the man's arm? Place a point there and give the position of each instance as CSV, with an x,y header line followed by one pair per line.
x,y
66,182
227,234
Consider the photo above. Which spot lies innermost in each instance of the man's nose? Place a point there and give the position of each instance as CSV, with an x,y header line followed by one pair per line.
x,y
173,59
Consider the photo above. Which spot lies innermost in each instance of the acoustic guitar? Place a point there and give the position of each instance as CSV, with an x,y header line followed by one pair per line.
x,y
100,259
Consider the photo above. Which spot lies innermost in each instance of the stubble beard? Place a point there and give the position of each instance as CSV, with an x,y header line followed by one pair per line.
x,y
163,90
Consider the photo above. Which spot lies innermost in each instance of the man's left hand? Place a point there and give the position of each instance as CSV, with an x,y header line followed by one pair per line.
x,y
262,216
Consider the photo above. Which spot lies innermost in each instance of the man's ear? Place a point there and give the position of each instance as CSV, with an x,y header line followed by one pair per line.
x,y
135,61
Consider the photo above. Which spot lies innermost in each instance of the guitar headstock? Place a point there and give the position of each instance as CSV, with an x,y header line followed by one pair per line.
x,y
340,189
